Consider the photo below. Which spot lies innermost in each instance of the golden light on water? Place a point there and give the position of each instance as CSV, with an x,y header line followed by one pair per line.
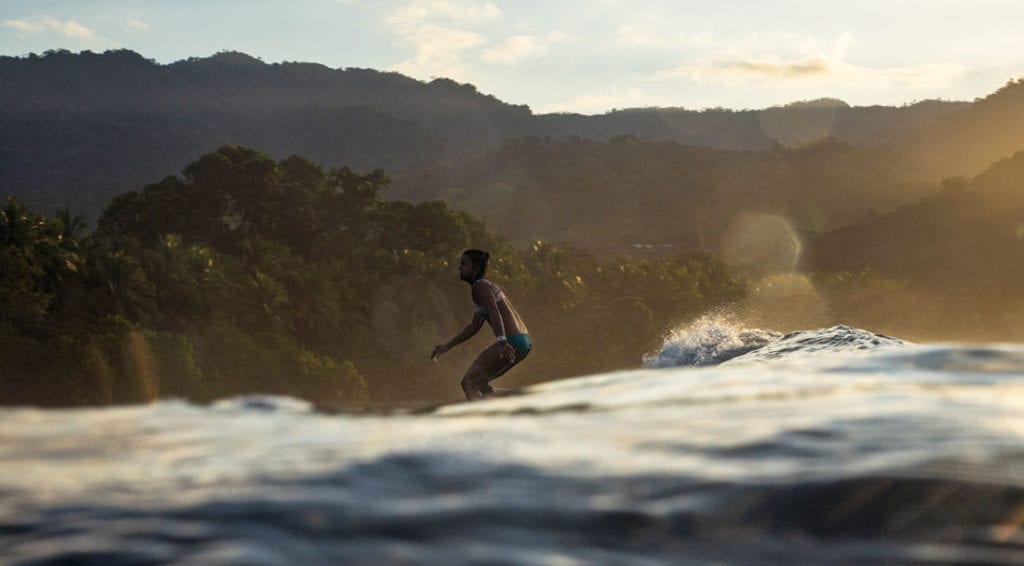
x,y
1011,527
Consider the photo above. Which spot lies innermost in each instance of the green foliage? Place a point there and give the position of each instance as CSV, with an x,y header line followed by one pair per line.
x,y
41,266
249,275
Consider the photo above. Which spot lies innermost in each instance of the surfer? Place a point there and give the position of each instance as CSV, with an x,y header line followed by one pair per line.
x,y
512,343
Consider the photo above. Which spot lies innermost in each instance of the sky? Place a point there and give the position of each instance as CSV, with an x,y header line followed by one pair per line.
x,y
585,56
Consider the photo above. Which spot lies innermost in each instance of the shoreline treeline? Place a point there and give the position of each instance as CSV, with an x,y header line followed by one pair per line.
x,y
249,275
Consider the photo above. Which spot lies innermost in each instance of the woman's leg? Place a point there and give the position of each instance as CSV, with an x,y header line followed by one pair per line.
x,y
489,365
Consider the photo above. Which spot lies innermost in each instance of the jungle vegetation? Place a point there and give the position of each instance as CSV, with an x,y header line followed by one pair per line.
x,y
250,275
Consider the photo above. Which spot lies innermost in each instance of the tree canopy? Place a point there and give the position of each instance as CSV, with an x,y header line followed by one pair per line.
x,y
248,274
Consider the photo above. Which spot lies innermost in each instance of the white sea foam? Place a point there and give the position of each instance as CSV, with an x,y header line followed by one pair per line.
x,y
710,340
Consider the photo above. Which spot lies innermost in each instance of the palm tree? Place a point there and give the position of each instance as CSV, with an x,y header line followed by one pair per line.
x,y
16,228
71,226
131,292
26,255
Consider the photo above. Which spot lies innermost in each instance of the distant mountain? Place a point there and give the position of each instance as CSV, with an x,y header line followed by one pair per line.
x,y
608,196
791,125
86,127
78,129
969,235
81,128
966,142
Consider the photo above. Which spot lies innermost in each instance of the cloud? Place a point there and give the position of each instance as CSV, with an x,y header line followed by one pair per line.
x,y
815,71
519,47
420,11
789,60
643,35
138,25
20,25
736,61
439,32
514,49
68,28
438,51
922,77
72,29
739,73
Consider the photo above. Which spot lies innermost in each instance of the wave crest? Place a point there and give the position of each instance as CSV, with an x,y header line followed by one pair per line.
x,y
714,340
709,341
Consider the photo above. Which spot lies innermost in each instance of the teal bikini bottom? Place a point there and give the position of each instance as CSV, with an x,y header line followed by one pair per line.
x,y
522,344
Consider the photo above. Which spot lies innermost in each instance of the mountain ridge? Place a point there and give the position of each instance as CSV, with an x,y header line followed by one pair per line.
x,y
78,129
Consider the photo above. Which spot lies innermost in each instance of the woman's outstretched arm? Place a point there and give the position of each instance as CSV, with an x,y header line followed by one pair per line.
x,y
459,338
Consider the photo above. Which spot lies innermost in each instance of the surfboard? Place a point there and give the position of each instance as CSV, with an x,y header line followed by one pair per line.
x,y
498,392
508,391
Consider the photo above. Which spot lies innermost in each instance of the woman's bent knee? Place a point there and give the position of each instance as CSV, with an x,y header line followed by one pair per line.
x,y
470,388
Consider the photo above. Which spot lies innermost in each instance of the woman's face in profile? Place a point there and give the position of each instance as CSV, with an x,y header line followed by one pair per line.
x,y
465,268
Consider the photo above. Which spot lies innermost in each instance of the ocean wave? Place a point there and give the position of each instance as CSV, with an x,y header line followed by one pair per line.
x,y
428,509
896,455
716,340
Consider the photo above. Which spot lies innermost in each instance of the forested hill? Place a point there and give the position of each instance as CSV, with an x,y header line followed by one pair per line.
x,y
968,142
794,124
77,129
970,233
954,260
80,128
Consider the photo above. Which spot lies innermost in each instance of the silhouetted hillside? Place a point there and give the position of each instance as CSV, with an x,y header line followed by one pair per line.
x,y
81,128
791,125
607,196
77,129
971,139
970,234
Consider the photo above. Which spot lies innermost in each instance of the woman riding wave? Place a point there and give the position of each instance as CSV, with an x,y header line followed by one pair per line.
x,y
512,343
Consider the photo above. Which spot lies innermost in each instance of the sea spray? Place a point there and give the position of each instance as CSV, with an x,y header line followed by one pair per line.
x,y
710,340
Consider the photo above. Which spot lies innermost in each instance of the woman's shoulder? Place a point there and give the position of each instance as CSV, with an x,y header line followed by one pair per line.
x,y
486,285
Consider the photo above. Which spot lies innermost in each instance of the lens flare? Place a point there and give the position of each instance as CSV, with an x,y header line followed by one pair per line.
x,y
762,243
801,123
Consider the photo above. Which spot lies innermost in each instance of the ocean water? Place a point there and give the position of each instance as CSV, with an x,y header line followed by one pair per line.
x,y
731,445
